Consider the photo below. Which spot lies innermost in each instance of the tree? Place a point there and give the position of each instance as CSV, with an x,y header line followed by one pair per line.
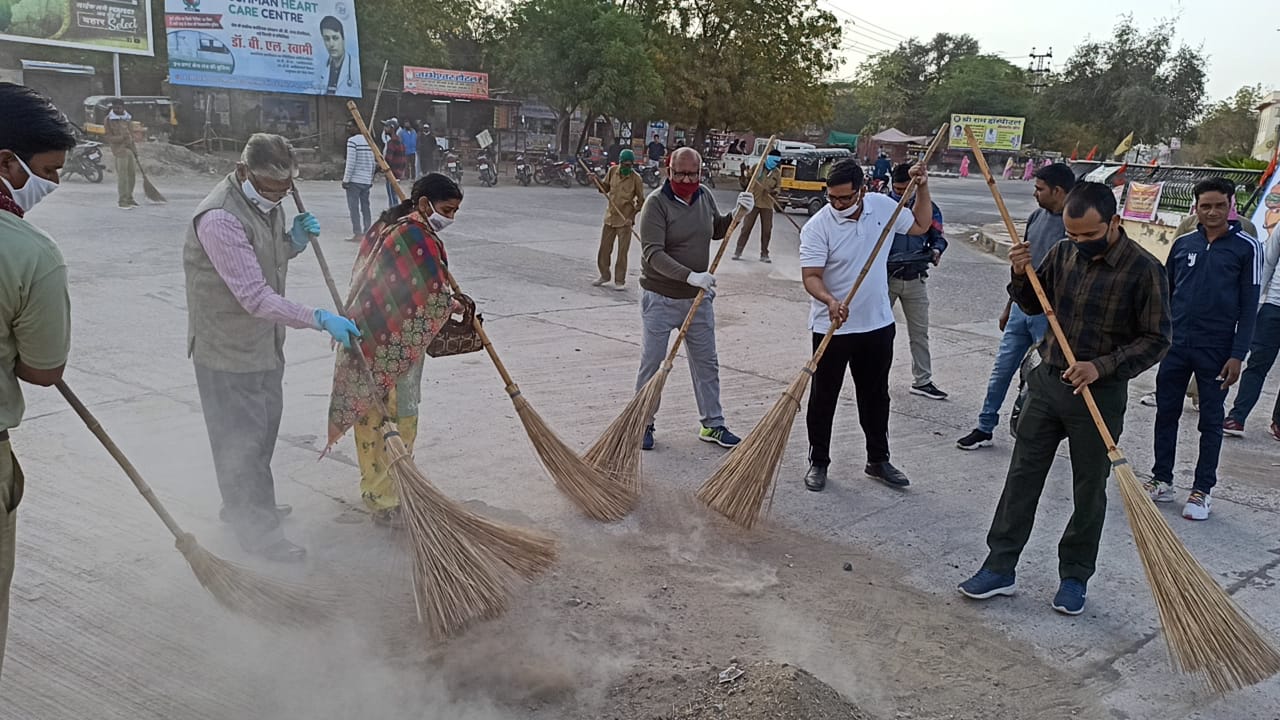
x,y
756,64
574,55
409,32
1229,127
895,85
978,84
848,113
1133,82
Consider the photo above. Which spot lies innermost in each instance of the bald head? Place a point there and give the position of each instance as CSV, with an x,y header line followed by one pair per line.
x,y
686,161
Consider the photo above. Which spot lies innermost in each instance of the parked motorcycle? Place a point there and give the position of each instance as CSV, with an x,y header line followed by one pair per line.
x,y
524,173
546,171
649,174
710,169
488,176
583,175
85,159
453,166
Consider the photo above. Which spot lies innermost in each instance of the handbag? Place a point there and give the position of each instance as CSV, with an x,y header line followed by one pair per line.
x,y
459,335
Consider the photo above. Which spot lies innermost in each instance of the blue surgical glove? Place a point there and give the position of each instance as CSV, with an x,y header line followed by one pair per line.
x,y
340,328
304,226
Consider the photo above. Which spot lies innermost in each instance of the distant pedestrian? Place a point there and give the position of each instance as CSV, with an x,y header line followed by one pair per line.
x,y
357,180
428,150
409,136
1028,170
1214,274
1021,331
964,167
35,311
1112,301
393,153
625,190
765,190
656,151
119,132
834,247
1008,168
1265,346
910,257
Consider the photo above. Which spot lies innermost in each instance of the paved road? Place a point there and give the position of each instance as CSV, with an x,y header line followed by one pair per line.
x,y
106,623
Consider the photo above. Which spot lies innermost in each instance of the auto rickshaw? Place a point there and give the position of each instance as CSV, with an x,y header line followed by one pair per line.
x,y
804,177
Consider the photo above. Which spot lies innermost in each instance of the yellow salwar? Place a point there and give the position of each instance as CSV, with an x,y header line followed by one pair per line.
x,y
377,489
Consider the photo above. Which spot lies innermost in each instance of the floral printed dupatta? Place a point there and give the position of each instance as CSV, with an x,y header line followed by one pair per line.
x,y
400,298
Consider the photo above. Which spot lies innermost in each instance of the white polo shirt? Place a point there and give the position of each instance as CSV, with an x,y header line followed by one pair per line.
x,y
841,247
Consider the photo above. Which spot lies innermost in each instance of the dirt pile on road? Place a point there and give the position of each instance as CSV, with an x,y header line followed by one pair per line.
x,y
165,159
763,691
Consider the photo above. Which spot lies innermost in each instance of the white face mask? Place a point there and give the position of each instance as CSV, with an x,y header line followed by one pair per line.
x,y
437,221
35,189
256,198
847,212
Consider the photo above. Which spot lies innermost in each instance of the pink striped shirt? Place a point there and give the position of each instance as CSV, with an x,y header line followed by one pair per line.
x,y
225,242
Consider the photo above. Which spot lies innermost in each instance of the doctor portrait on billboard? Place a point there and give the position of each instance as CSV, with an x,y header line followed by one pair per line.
x,y
340,72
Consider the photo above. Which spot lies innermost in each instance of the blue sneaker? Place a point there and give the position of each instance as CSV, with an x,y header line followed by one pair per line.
x,y
1070,597
988,584
647,443
719,435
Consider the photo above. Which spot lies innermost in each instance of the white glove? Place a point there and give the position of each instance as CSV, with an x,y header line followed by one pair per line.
x,y
746,201
703,280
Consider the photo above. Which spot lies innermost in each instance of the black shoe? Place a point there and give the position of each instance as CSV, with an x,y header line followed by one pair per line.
x,y
887,474
282,511
283,551
928,390
974,440
816,479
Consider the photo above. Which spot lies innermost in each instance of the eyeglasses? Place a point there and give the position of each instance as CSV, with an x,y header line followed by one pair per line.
x,y
273,194
842,199
685,175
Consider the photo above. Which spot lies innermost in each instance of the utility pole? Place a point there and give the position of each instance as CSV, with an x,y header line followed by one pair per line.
x,y
1038,68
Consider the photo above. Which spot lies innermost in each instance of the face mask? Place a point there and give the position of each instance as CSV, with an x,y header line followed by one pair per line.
x,y
264,205
847,212
1092,248
437,221
685,190
35,190
772,162
624,170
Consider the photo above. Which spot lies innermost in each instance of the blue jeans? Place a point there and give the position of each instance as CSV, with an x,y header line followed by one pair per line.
x,y
1020,334
1176,370
358,205
1262,355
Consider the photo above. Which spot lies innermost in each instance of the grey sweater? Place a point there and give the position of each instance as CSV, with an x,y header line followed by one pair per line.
x,y
675,240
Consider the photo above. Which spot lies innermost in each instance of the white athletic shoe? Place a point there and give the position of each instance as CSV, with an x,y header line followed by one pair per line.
x,y
1159,491
1197,507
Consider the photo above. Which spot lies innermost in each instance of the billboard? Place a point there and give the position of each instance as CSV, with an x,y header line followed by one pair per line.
x,y
309,47
117,26
446,83
1143,202
994,132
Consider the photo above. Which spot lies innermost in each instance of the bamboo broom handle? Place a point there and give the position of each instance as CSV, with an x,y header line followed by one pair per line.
x,y
724,244
512,389
600,187
96,428
1061,336
884,235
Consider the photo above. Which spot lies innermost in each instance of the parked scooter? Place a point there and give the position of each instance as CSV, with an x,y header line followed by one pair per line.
x,y
85,159
453,166
488,176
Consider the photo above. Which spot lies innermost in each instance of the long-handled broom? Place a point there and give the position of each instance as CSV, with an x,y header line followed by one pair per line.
x,y
592,493
234,587
460,559
1207,633
151,191
616,454
738,487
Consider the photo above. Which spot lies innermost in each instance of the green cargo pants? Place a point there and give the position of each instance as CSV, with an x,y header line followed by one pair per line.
x,y
1053,412
10,495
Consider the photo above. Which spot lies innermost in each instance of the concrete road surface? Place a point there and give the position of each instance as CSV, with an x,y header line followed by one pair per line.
x,y
107,624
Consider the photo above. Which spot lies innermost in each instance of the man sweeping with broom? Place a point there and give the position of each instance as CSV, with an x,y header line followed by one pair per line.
x,y
677,225
1112,301
236,258
35,313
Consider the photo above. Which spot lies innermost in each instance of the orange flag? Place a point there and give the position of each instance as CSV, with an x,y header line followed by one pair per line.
x,y
1092,152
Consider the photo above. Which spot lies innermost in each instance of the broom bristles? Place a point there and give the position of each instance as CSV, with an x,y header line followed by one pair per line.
x,y
616,453
247,593
596,494
1207,633
738,487
463,565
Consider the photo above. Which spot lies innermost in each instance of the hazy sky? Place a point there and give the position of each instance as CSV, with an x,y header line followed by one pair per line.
x,y
1241,41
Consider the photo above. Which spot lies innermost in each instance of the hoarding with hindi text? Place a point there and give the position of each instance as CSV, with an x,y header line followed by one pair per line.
x,y
994,132
446,83
308,47
1143,201
116,26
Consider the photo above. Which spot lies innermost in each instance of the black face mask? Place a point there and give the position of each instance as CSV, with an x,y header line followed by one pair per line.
x,y
1092,248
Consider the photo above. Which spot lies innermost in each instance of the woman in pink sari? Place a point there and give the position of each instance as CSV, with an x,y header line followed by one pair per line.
x,y
964,167
1008,168
1029,170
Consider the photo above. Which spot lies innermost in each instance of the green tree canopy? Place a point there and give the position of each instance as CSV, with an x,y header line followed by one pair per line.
x,y
1228,128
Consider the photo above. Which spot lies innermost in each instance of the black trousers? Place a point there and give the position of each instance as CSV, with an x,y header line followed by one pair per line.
x,y
868,357
242,415
1054,412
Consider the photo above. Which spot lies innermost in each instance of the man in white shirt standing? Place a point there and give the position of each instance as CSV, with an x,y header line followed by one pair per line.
x,y
357,179
834,246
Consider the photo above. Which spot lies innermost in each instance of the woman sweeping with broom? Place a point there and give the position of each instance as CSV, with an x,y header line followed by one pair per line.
x,y
400,298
